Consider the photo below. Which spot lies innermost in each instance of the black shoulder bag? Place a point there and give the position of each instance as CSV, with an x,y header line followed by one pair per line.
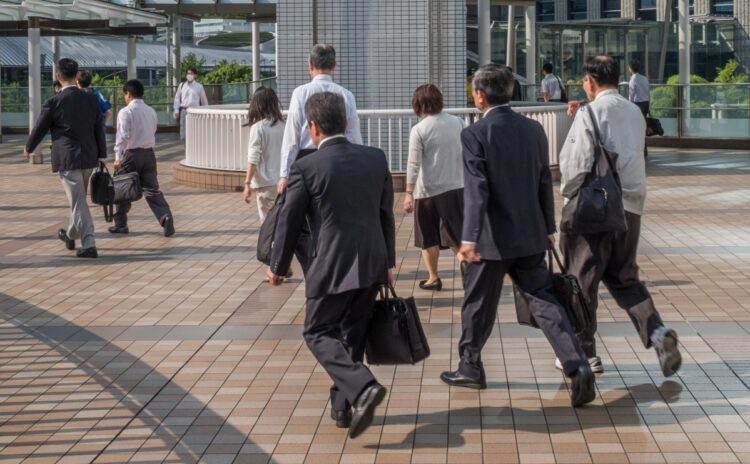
x,y
563,93
597,205
102,190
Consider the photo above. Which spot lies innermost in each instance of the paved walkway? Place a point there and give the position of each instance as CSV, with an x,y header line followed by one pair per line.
x,y
174,350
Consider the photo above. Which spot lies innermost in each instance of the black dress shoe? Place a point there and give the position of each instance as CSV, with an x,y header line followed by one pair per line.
x,y
364,408
342,418
583,388
69,244
457,379
436,285
168,225
87,253
118,230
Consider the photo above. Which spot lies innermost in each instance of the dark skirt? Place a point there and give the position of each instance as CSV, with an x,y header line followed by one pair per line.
x,y
439,219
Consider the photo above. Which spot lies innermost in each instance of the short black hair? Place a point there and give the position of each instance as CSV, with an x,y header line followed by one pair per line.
x,y
134,88
191,68
547,68
67,68
603,69
323,56
635,65
328,111
496,81
84,79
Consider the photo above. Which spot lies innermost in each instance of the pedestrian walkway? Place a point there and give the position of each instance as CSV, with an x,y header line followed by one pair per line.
x,y
175,350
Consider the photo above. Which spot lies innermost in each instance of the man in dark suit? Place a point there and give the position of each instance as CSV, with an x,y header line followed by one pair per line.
x,y
509,223
345,192
78,145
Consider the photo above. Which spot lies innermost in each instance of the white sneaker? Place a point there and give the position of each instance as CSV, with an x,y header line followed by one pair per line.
x,y
667,349
595,363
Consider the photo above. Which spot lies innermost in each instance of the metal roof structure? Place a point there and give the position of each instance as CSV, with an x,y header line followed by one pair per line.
x,y
110,52
254,10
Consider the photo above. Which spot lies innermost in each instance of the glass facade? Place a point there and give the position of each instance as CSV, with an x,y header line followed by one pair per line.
x,y
577,9
545,10
611,8
723,7
676,9
646,10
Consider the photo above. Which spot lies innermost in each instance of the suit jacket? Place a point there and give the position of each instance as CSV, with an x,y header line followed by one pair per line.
x,y
346,193
509,206
75,120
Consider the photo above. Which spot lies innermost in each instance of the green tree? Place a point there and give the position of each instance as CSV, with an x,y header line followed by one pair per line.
x,y
191,61
227,72
730,74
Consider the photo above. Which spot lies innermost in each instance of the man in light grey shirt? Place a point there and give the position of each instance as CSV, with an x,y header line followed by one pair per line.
x,y
638,92
611,256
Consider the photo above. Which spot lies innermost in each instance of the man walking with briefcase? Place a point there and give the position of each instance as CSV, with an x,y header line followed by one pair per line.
x,y
134,153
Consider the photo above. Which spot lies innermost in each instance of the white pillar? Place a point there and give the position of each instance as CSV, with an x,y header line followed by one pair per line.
x,y
176,53
168,59
132,71
256,51
510,49
55,55
684,56
530,17
35,71
485,37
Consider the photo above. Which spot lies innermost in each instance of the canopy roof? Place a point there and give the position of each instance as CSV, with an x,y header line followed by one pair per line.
x,y
254,10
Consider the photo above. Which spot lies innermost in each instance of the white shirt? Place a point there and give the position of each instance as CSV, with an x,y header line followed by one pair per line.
x,y
188,95
296,133
136,126
264,151
551,86
638,88
623,131
435,162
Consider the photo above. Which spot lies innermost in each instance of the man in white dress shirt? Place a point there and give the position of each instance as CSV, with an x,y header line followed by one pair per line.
x,y
638,91
189,94
134,152
297,141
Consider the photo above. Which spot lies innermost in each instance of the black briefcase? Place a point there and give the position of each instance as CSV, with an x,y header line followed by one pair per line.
x,y
102,190
566,289
396,335
265,235
127,187
653,127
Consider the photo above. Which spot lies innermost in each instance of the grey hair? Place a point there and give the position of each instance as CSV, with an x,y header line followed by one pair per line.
x,y
323,56
496,82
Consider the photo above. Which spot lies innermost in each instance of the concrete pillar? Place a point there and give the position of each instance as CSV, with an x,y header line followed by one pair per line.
x,y
256,51
35,71
594,9
561,10
703,7
55,55
683,39
510,50
666,27
176,52
168,68
530,13
132,71
485,38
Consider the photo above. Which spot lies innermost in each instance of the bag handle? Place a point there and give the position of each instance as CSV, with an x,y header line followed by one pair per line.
x,y
599,145
553,257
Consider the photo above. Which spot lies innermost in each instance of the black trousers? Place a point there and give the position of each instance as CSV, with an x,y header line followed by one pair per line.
x,y
484,283
335,331
611,258
645,109
143,161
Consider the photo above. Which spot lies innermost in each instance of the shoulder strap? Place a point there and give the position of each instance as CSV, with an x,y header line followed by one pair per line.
x,y
598,143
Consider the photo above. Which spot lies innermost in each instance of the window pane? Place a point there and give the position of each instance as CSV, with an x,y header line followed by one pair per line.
x,y
611,8
577,9
545,10
723,7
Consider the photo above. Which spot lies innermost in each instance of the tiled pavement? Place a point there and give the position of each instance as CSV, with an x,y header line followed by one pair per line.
x,y
173,349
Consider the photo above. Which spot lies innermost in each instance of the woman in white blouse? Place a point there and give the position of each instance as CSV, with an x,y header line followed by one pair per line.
x,y
264,150
435,180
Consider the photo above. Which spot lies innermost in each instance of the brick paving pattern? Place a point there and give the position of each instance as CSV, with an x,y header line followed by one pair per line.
x,y
174,350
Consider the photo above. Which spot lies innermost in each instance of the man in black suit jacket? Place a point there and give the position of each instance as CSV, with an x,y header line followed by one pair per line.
x,y
346,193
78,145
509,223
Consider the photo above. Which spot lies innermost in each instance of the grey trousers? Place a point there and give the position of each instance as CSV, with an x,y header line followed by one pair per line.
x,y
484,283
81,225
336,332
143,161
611,258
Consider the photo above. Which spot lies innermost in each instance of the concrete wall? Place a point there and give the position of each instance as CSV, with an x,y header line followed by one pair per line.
x,y
384,49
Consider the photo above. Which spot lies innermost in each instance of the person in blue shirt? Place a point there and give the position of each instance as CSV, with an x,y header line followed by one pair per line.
x,y
84,83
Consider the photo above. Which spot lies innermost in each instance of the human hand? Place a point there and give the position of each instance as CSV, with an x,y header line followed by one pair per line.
x,y
118,164
391,280
248,193
408,203
177,115
573,107
469,252
551,240
26,153
103,162
273,279
281,186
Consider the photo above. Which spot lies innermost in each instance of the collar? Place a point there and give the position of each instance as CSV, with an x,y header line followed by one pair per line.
x,y
68,86
135,101
506,105
330,139
606,92
323,77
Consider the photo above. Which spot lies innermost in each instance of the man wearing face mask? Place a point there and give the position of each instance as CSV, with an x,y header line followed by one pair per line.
x,y
189,94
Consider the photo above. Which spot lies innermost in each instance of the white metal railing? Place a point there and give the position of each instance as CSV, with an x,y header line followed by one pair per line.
x,y
216,137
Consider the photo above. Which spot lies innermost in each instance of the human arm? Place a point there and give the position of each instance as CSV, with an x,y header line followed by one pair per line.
x,y
576,156
41,127
353,132
99,136
476,193
254,155
289,223
545,90
387,222
631,89
122,134
203,97
413,166
251,169
177,101
546,195
292,133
